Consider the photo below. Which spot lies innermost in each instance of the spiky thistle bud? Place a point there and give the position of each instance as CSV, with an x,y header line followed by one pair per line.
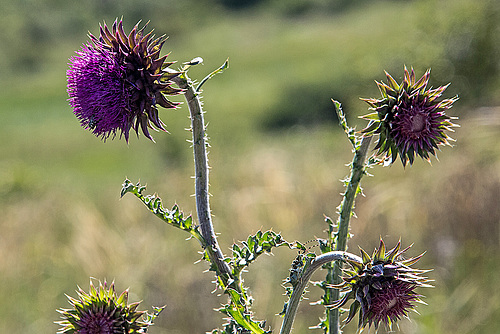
x,y
382,287
102,311
116,81
409,118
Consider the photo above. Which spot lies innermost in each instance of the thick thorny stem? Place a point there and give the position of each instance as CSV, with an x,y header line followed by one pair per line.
x,y
333,277
298,290
201,177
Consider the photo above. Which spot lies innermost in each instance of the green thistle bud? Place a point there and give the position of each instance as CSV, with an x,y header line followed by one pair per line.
x,y
102,311
409,118
382,287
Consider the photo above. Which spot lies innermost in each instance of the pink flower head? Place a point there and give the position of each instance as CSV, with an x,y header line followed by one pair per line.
x,y
116,81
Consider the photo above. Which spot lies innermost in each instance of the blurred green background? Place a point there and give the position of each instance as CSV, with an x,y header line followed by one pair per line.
x,y
277,156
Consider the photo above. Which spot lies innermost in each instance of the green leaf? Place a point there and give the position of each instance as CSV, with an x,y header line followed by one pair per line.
x,y
350,132
212,74
174,217
254,246
237,309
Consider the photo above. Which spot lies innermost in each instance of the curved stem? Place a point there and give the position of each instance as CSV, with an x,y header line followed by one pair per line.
x,y
357,172
201,176
298,290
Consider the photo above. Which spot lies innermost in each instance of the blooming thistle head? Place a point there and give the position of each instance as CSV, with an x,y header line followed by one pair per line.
x,y
382,287
102,311
409,118
116,81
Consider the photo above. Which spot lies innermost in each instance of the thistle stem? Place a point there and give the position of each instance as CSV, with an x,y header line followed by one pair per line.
x,y
333,276
298,290
201,177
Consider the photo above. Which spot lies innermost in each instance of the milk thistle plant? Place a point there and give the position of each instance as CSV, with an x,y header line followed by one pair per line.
x,y
118,81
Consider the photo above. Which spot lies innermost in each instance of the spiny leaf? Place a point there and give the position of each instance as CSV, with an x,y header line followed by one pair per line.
x,y
254,246
237,310
350,132
212,74
174,217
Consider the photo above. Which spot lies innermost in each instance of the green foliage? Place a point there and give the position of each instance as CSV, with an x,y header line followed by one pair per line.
x,y
350,132
253,247
298,265
241,320
238,308
221,69
239,304
173,217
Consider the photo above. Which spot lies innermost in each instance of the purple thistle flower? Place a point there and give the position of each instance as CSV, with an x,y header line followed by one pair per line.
x,y
409,118
382,287
102,311
390,303
116,81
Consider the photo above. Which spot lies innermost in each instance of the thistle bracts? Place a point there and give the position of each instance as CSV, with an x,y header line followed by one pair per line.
x,y
409,118
102,311
116,81
382,287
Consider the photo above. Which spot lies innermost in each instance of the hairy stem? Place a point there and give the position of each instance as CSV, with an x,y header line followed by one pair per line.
x,y
298,289
201,177
333,276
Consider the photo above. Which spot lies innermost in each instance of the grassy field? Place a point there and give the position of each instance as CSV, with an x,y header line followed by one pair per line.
x,y
276,157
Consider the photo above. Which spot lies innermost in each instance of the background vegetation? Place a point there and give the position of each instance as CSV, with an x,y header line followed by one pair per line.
x,y
276,155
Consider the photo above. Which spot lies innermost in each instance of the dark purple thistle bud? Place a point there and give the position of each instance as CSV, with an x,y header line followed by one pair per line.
x,y
382,287
409,118
116,81
102,311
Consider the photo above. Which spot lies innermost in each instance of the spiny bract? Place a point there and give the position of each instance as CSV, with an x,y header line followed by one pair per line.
x,y
102,311
409,118
382,287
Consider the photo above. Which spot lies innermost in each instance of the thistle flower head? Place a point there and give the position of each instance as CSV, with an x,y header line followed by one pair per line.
x,y
102,311
382,287
409,118
116,81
